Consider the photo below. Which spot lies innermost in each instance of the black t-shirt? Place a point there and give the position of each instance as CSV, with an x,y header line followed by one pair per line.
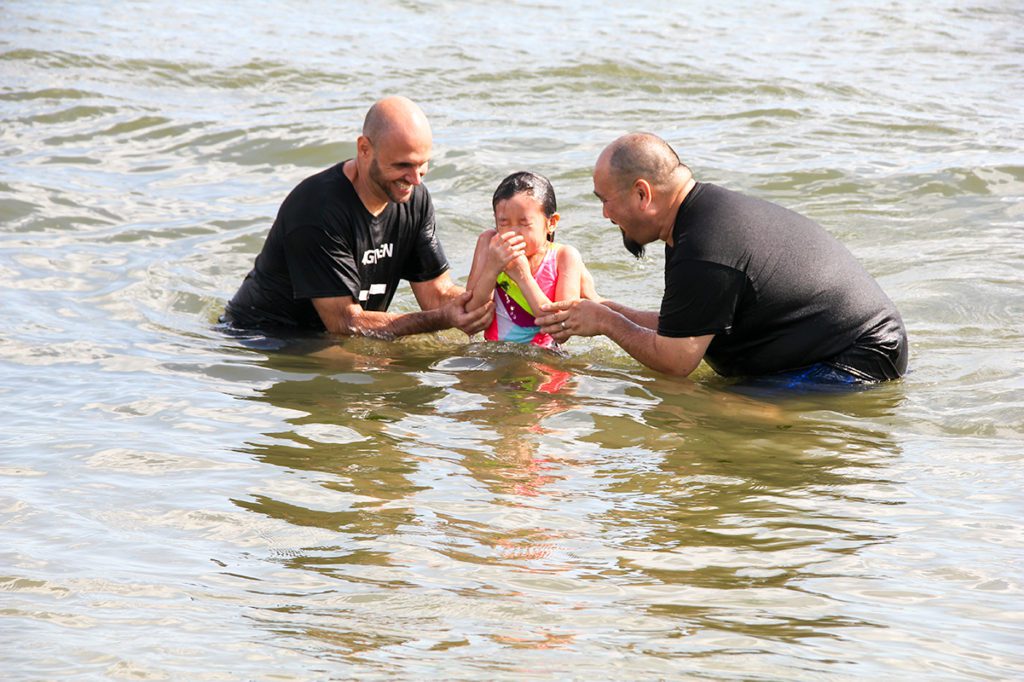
x,y
776,290
325,243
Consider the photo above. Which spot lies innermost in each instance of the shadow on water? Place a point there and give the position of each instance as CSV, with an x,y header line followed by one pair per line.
x,y
455,484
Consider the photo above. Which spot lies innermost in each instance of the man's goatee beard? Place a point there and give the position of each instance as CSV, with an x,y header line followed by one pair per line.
x,y
635,248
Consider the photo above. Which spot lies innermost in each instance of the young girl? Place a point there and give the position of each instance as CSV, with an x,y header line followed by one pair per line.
x,y
519,263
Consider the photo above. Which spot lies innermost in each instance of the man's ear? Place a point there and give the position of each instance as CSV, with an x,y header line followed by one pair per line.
x,y
363,146
643,193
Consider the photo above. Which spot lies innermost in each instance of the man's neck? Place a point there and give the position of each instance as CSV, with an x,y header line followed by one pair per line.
x,y
373,204
668,228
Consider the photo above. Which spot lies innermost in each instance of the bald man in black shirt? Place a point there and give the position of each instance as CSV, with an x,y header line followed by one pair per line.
x,y
750,287
346,236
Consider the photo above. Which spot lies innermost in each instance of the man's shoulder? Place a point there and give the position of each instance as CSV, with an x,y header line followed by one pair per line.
x,y
327,182
701,205
718,213
709,196
718,226
317,196
741,203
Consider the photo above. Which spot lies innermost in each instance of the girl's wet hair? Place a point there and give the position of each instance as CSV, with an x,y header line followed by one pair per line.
x,y
525,182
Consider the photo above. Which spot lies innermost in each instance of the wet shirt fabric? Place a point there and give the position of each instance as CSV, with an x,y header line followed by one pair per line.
x,y
777,291
325,243
513,316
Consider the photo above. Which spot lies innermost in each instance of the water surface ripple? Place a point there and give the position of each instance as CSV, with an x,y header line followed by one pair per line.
x,y
176,504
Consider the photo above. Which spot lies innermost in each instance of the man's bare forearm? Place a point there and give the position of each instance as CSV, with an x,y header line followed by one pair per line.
x,y
392,325
672,356
644,318
453,291
632,337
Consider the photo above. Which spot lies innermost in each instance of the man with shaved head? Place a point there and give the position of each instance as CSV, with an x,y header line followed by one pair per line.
x,y
750,287
345,237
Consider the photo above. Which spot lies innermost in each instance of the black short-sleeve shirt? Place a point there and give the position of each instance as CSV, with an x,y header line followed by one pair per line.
x,y
324,243
776,290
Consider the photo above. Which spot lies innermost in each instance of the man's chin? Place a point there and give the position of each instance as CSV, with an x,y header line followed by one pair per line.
x,y
636,248
400,196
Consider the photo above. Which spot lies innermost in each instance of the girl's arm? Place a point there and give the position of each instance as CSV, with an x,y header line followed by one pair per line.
x,y
493,252
570,273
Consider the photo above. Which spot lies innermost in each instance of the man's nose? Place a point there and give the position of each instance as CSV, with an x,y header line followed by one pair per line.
x,y
416,177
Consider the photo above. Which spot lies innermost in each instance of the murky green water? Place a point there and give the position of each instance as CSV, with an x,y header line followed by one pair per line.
x,y
174,505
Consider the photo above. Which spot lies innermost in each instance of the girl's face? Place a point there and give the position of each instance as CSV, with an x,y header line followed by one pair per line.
x,y
524,215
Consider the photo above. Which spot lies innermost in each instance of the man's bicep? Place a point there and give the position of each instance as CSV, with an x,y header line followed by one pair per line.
x,y
433,293
337,312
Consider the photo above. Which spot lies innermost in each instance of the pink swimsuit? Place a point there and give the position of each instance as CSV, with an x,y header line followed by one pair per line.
x,y
513,318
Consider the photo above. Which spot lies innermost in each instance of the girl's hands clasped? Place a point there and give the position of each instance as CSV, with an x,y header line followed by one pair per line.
x,y
504,248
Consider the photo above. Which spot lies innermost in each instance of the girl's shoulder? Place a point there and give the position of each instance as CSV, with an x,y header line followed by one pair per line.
x,y
566,253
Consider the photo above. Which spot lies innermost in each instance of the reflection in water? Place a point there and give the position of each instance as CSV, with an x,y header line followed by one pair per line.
x,y
743,512
501,487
